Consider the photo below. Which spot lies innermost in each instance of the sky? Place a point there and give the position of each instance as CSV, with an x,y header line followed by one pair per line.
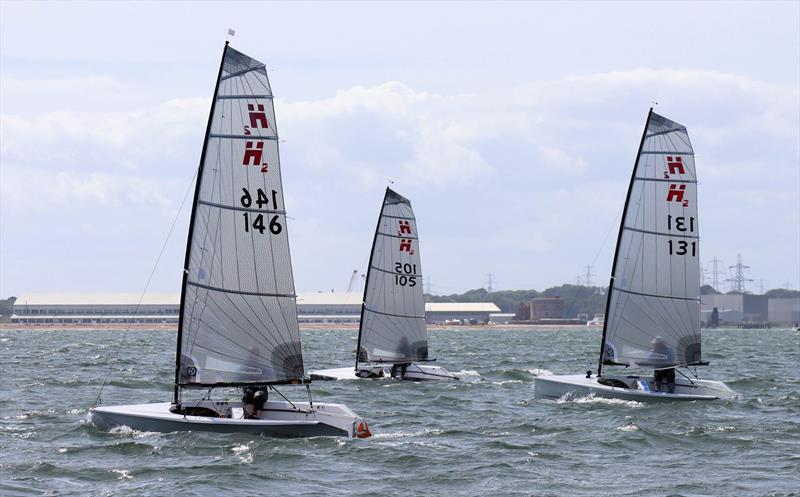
x,y
512,128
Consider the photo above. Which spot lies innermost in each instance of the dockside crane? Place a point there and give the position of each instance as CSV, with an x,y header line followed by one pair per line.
x,y
352,280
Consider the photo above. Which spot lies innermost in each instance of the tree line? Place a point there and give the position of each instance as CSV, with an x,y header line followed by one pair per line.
x,y
578,299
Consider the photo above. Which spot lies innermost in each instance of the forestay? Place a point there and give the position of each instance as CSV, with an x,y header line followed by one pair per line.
x,y
239,317
392,326
653,315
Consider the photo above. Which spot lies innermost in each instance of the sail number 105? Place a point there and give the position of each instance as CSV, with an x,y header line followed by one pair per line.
x,y
406,274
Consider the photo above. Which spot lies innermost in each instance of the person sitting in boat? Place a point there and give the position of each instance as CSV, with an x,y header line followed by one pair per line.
x,y
399,370
253,400
661,352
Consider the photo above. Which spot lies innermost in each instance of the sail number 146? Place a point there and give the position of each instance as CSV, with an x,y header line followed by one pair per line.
x,y
256,221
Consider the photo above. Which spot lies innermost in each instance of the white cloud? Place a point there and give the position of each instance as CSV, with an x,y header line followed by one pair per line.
x,y
539,169
32,189
129,139
37,88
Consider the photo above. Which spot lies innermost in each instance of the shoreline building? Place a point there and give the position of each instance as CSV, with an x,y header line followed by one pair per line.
x,y
547,308
747,308
164,308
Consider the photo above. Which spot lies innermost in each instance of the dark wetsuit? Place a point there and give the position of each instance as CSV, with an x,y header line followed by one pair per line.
x,y
253,401
401,368
661,376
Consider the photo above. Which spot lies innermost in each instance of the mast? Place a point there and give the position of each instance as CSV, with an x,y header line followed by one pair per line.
x,y
369,272
176,393
606,319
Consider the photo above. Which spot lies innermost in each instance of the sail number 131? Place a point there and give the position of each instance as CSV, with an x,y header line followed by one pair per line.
x,y
682,247
680,223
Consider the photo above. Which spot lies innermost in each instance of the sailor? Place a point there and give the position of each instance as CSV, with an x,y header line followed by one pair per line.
x,y
661,352
401,368
248,402
253,401
259,400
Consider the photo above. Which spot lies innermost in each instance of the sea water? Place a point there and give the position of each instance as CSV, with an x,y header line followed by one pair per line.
x,y
484,436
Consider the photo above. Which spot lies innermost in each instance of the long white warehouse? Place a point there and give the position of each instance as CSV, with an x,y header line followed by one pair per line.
x,y
315,307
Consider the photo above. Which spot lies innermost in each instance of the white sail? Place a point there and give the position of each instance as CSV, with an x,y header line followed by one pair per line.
x,y
392,326
653,314
239,316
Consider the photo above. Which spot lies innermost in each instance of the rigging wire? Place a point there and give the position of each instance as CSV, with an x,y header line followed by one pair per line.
x,y
599,250
605,238
99,398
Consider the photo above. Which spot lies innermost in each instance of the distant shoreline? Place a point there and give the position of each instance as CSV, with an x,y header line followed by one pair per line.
x,y
316,326
303,327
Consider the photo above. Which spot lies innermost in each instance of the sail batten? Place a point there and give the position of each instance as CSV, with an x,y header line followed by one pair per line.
x,y
246,97
392,328
652,295
238,309
665,152
660,233
653,314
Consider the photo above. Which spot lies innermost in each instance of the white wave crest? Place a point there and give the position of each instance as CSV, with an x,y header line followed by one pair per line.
x,y
540,372
591,399
240,448
466,372
407,434
127,431
124,474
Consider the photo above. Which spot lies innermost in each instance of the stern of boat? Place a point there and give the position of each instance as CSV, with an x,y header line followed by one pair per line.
x,y
426,372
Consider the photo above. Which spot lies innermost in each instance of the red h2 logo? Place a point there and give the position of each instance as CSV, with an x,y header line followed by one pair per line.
x,y
405,245
258,118
254,155
674,166
405,227
675,194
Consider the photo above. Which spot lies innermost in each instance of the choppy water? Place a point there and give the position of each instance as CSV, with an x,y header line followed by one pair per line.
x,y
470,438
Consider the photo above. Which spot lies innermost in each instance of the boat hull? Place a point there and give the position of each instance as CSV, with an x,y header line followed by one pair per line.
x,y
279,419
413,372
640,388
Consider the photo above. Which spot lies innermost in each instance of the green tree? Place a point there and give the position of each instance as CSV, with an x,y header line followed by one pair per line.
x,y
577,299
7,309
782,293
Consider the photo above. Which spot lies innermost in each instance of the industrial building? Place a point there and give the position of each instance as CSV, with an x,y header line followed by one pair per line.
x,y
88,308
465,312
163,308
785,310
547,308
746,308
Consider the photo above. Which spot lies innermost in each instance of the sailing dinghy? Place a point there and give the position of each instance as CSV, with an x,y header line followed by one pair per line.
x,y
392,335
238,314
652,317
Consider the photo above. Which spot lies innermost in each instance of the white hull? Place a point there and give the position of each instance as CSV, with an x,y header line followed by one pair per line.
x,y
279,419
640,388
413,372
